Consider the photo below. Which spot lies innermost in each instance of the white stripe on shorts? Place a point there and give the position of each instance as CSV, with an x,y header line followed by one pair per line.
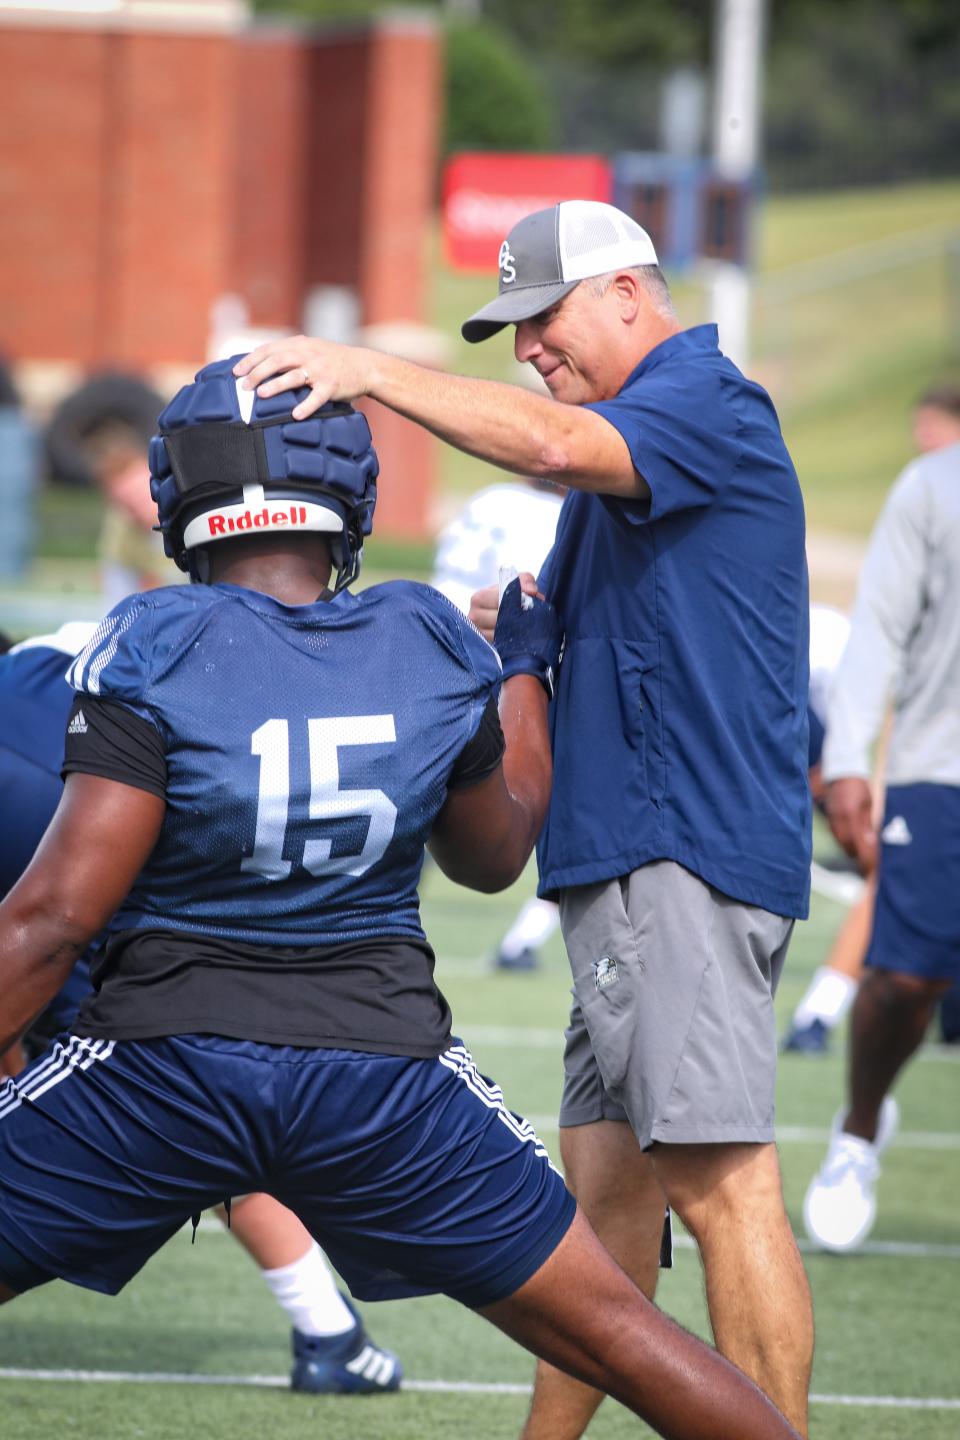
x,y
79,1054
461,1062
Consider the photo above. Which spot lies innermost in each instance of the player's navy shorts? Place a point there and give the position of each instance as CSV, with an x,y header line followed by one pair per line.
x,y
916,927
411,1174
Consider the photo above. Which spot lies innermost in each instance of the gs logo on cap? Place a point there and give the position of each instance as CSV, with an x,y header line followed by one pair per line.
x,y
508,265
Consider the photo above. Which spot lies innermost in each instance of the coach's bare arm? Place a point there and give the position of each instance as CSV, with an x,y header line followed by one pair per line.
x,y
94,848
505,425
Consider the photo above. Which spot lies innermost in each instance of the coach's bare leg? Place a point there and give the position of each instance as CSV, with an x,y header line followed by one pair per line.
x,y
621,1197
582,1313
6,1294
730,1199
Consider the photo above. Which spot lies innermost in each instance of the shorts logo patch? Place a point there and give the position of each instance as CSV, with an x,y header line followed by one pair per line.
x,y
896,832
605,972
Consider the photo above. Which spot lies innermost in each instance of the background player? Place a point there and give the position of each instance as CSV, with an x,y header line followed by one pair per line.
x,y
830,993
935,423
266,1017
904,639
504,526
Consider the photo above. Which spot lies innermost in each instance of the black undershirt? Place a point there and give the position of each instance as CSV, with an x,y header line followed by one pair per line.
x,y
375,994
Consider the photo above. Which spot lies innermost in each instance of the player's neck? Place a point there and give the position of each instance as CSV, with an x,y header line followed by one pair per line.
x,y
294,574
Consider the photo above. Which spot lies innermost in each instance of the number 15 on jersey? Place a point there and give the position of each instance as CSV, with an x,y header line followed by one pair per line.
x,y
271,742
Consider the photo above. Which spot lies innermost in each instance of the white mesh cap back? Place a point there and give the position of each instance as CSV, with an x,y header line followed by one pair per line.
x,y
595,238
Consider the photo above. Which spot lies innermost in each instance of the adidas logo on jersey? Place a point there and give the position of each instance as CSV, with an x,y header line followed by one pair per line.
x,y
78,725
896,832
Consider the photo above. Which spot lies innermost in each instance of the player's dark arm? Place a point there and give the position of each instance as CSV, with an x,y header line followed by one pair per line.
x,y
484,834
95,846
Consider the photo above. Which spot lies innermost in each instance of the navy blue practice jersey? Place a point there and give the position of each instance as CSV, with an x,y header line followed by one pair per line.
x,y
307,748
35,701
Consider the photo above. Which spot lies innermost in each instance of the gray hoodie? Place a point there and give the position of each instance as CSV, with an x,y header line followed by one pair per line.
x,y
905,636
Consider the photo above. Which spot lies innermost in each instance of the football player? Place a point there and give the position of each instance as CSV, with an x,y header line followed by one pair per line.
x,y
332,1352
501,527
254,763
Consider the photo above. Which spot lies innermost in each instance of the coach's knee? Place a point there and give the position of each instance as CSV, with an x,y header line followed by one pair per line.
x,y
720,1187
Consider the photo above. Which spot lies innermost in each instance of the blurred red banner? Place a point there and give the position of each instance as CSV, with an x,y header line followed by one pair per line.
x,y
485,194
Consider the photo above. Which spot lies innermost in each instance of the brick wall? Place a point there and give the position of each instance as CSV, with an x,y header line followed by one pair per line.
x,y
268,234
145,173
170,192
51,178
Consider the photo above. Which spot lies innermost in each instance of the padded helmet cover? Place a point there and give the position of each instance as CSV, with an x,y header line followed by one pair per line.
x,y
224,456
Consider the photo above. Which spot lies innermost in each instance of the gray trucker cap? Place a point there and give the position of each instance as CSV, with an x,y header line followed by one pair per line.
x,y
549,252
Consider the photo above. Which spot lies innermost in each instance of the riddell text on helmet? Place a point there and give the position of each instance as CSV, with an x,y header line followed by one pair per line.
x,y
262,519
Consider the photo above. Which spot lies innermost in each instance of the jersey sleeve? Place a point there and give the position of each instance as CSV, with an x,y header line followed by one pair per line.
x,y
473,665
482,753
109,740
684,442
116,662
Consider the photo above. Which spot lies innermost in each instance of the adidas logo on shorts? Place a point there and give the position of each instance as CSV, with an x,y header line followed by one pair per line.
x,y
896,832
78,725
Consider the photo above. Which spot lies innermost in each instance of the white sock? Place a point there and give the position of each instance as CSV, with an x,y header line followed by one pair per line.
x,y
828,998
306,1291
533,926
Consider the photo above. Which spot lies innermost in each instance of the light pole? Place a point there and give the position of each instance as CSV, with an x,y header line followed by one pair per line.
x,y
738,71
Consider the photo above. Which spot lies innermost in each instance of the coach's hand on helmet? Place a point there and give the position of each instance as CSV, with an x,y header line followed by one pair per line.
x,y
850,813
297,362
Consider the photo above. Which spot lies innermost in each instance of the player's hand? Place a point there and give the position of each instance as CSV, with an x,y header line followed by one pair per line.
x,y
332,372
485,604
850,813
528,641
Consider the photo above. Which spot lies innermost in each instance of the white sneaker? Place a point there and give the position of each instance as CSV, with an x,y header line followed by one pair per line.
x,y
840,1205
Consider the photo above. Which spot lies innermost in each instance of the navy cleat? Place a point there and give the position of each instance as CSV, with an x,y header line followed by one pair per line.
x,y
812,1039
347,1364
525,959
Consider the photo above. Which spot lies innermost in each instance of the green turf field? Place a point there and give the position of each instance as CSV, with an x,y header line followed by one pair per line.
x,y
888,1321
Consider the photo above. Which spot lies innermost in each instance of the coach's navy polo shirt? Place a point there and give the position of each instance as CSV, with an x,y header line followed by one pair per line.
x,y
680,719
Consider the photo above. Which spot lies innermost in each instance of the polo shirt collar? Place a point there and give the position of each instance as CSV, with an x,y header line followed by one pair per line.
x,y
687,342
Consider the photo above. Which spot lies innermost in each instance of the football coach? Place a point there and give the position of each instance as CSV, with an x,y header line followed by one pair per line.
x,y
678,835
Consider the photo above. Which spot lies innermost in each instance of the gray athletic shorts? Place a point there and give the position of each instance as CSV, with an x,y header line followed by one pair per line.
x,y
672,1026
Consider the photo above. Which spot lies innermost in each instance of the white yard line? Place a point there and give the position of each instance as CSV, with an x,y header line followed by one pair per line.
x,y
907,1249
815,1135
541,1037
906,1139
441,1387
